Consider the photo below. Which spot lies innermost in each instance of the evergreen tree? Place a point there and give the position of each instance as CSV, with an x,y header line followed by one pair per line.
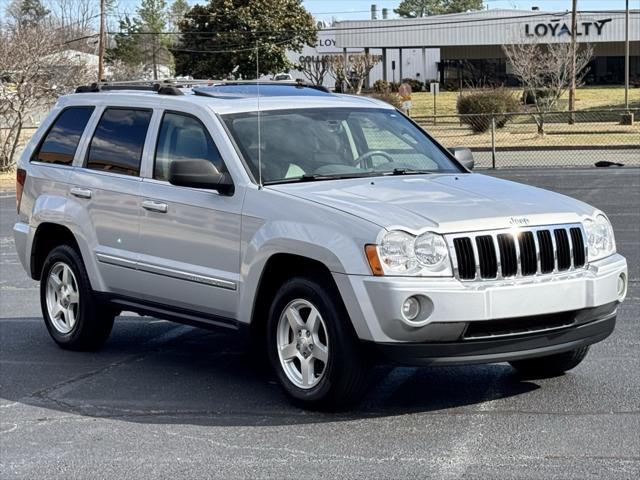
x,y
229,34
423,8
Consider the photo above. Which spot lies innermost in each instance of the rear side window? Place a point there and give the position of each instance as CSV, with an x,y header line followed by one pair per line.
x,y
118,141
183,137
61,141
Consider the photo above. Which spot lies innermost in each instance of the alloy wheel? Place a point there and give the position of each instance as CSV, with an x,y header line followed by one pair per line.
x,y
303,344
63,298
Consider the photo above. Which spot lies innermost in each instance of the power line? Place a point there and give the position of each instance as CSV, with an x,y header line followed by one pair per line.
x,y
241,48
362,29
407,27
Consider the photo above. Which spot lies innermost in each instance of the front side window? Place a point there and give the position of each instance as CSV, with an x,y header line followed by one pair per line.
x,y
326,143
118,141
183,137
61,141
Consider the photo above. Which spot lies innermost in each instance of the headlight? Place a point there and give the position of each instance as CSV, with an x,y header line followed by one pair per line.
x,y
397,252
400,253
600,239
431,249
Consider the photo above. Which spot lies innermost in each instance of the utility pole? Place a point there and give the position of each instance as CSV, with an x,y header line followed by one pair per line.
x,y
101,42
572,88
626,58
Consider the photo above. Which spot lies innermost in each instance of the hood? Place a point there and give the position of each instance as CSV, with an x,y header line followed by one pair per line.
x,y
446,203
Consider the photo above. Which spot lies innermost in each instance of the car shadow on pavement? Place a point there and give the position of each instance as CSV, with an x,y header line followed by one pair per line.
x,y
157,372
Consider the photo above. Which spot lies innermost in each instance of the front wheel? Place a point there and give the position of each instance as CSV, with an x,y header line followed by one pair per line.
x,y
551,365
74,319
312,347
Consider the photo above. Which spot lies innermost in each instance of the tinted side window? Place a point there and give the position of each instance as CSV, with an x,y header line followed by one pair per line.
x,y
61,141
183,137
118,141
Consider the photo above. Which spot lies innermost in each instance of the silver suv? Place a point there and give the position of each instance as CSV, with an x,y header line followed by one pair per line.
x,y
330,228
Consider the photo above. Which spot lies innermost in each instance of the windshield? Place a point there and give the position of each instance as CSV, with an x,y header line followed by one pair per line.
x,y
326,143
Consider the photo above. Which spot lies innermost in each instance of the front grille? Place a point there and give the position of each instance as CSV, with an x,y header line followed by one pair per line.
x,y
523,252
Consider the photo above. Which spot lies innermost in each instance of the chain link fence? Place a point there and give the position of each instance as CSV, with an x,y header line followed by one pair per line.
x,y
566,139
555,139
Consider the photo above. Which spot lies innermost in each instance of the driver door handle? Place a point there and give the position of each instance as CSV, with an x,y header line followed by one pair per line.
x,y
154,206
80,192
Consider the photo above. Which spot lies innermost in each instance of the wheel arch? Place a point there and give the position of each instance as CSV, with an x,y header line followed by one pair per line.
x,y
278,268
48,236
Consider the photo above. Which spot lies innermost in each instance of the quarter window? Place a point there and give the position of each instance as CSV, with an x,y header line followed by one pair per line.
x,y
118,141
183,137
61,141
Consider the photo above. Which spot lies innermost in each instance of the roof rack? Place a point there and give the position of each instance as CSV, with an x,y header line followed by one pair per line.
x,y
164,87
173,86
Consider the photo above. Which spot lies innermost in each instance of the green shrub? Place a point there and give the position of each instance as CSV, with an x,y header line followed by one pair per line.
x,y
393,86
390,98
477,107
381,86
451,86
529,96
416,85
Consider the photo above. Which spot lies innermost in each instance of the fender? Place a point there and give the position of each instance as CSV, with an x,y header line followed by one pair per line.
x,y
303,228
258,255
67,212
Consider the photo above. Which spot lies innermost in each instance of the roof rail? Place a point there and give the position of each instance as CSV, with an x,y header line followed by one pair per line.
x,y
292,83
173,86
161,88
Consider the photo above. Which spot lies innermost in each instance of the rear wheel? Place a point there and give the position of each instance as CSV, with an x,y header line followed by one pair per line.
x,y
552,365
312,347
74,319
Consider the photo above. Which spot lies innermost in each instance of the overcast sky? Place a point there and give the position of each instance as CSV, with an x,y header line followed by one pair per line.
x,y
360,9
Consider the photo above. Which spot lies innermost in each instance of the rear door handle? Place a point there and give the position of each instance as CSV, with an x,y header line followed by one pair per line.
x,y
153,206
80,192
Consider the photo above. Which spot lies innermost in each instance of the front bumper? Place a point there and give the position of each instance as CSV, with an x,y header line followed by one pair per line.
x,y
598,324
375,303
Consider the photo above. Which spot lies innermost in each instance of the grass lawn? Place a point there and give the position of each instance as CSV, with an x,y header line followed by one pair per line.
x,y
7,181
588,98
557,135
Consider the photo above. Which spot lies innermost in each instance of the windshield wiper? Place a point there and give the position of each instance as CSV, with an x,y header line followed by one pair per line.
x,y
314,177
408,171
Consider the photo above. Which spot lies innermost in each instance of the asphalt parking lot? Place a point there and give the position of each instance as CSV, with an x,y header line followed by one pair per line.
x,y
162,400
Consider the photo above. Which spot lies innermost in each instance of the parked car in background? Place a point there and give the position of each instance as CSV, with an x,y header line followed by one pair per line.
x,y
282,76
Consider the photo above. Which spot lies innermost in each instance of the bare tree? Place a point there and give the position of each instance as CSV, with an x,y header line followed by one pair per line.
x,y
120,71
75,19
34,70
545,72
315,69
352,69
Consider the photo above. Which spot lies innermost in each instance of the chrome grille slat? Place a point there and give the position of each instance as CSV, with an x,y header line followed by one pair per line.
x,y
516,242
533,248
572,263
537,247
555,252
496,246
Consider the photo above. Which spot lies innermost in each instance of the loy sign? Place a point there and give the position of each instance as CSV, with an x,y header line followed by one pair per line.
x,y
556,29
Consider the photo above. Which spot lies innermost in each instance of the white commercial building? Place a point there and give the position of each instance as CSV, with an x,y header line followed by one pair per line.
x,y
456,47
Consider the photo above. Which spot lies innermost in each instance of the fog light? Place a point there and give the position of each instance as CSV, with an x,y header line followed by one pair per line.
x,y
411,308
622,286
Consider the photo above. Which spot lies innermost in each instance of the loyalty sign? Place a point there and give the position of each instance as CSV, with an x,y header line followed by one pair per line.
x,y
557,29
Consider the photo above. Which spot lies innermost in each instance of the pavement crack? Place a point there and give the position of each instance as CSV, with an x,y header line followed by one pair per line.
x,y
174,336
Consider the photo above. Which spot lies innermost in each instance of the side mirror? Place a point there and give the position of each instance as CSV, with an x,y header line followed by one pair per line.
x,y
464,156
200,174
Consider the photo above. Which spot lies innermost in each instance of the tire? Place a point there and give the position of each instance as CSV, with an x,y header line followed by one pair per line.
x,y
550,366
83,324
339,381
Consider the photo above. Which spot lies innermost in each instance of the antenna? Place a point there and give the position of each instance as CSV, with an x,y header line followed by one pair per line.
x,y
259,126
